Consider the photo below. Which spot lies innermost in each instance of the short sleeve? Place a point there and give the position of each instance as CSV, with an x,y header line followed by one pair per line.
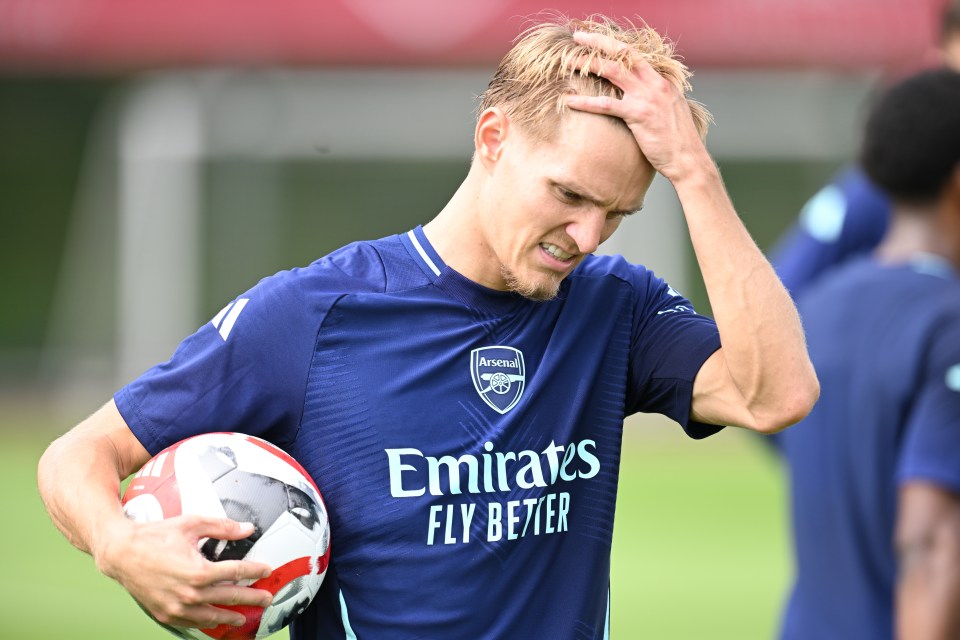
x,y
671,341
931,450
243,371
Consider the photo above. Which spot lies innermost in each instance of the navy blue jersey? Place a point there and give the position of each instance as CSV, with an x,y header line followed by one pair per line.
x,y
847,218
466,441
885,341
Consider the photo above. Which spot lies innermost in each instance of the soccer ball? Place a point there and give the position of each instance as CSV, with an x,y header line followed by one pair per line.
x,y
236,476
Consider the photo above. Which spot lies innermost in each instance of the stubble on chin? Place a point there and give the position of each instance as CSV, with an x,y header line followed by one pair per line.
x,y
536,291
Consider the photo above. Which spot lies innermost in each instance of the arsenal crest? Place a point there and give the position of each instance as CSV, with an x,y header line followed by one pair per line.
x,y
498,376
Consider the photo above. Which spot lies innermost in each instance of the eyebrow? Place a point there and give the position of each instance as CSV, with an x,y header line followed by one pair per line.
x,y
583,193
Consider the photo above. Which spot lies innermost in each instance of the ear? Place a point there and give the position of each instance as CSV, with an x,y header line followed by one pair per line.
x,y
490,135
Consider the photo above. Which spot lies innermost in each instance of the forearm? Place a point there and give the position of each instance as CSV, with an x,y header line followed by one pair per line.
x,y
157,562
79,480
928,563
763,343
928,596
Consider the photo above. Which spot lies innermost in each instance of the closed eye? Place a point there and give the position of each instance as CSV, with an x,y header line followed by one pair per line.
x,y
614,215
568,196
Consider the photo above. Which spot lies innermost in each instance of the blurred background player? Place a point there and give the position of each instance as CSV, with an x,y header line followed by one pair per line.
x,y
849,216
875,468
365,367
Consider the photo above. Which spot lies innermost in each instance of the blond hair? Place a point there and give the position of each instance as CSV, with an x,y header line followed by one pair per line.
x,y
541,69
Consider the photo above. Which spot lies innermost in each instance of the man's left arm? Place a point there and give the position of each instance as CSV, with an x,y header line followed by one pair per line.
x,y
928,557
927,535
762,377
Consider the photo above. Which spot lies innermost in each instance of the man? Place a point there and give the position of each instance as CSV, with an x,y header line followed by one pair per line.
x,y
458,391
848,217
875,467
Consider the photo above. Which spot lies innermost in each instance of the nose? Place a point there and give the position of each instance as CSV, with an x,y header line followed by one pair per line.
x,y
588,231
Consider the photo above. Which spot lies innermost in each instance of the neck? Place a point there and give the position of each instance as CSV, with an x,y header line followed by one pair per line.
x,y
915,232
457,236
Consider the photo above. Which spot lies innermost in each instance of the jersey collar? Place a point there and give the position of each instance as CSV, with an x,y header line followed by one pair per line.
x,y
423,252
933,265
455,284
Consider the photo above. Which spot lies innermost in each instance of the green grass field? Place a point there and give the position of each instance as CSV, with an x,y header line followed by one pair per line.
x,y
700,548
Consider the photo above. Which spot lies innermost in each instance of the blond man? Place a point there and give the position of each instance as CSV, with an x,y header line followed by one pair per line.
x,y
458,391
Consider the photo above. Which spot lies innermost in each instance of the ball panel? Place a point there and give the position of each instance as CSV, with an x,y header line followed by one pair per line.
x,y
156,479
286,457
294,584
196,463
288,603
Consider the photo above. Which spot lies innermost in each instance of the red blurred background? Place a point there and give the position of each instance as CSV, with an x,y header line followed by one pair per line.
x,y
125,35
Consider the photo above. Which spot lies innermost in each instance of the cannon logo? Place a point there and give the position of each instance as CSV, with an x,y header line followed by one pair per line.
x,y
498,376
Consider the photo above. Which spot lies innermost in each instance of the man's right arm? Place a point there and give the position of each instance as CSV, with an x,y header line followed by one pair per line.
x,y
79,478
80,474
928,552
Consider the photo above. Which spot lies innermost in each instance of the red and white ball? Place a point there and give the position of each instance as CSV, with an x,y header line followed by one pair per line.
x,y
244,478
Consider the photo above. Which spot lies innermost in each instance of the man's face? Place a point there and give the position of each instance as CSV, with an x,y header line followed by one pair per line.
x,y
547,204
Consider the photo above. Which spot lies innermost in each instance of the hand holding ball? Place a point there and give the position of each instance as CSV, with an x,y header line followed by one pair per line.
x,y
243,478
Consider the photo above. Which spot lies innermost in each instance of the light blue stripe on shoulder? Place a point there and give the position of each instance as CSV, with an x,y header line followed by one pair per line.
x,y
953,378
822,217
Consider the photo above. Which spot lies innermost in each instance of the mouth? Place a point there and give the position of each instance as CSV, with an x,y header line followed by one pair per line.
x,y
557,253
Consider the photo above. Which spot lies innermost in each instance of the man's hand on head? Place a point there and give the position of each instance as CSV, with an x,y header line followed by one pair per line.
x,y
655,110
